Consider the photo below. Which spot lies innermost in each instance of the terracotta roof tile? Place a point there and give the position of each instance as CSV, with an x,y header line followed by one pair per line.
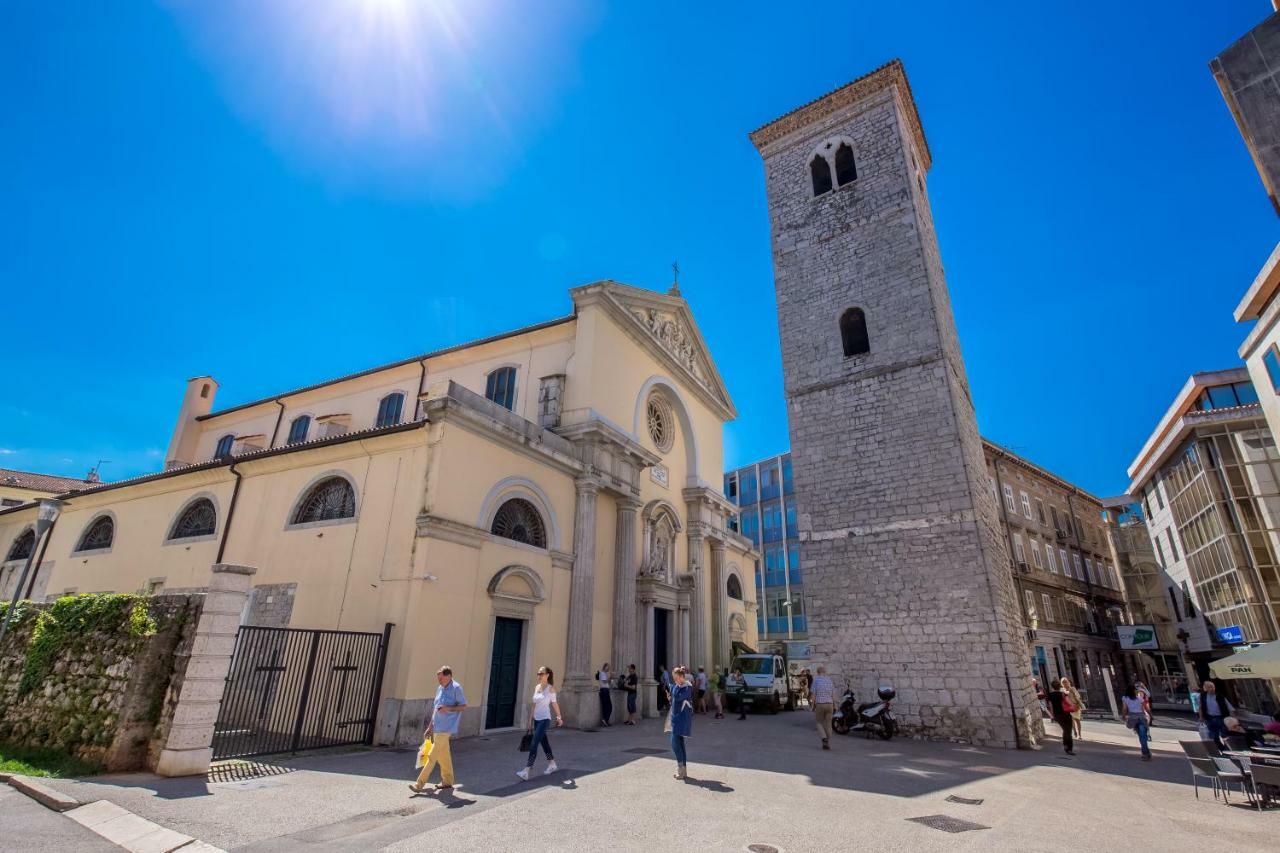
x,y
42,482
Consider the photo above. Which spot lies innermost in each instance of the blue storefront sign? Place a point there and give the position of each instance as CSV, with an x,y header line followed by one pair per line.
x,y
1231,635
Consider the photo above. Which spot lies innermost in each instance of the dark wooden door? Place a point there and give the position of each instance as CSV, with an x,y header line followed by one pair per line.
x,y
504,673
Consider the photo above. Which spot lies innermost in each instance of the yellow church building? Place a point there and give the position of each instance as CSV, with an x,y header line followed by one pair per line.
x,y
548,496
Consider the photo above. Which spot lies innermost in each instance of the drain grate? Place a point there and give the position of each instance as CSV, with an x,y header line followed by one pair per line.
x,y
947,824
763,848
646,750
964,801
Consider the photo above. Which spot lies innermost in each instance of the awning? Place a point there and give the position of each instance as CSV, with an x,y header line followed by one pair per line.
x,y
1259,662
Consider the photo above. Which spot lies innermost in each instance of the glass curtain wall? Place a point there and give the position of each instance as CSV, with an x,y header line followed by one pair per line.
x,y
763,493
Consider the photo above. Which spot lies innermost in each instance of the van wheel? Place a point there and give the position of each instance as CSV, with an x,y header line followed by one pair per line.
x,y
775,705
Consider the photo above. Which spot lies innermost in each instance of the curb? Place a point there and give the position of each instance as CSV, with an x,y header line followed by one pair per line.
x,y
42,794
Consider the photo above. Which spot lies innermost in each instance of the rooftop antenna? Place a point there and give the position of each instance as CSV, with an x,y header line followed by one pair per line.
x,y
675,282
92,476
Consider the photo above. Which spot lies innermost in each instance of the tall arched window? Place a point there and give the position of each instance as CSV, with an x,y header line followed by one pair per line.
x,y
22,546
820,171
518,520
734,587
224,447
298,429
846,170
198,519
501,387
853,332
331,498
389,409
100,534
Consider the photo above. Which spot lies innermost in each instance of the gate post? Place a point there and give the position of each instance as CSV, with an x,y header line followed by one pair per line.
x,y
188,750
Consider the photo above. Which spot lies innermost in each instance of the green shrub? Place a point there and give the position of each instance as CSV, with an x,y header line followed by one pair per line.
x,y
79,618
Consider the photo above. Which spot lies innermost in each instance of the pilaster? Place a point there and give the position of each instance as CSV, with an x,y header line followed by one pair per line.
x,y
580,709
624,596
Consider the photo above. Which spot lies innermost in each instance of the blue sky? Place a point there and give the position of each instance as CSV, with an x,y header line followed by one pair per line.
x,y
279,193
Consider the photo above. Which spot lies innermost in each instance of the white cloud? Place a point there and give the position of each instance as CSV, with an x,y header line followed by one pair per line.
x,y
4,451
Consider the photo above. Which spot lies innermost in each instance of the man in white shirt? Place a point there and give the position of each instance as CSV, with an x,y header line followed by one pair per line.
x,y
824,704
701,685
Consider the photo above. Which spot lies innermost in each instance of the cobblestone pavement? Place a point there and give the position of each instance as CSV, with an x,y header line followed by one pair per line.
x,y
764,780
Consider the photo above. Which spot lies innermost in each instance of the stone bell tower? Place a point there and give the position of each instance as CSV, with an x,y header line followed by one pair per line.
x,y
907,576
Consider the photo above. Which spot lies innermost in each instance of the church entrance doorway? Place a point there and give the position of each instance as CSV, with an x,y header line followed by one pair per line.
x,y
661,638
504,673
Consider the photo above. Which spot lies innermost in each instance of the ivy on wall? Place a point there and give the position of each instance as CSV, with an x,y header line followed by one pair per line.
x,y
75,618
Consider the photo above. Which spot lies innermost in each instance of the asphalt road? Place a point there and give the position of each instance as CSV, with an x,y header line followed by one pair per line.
x,y
762,781
28,827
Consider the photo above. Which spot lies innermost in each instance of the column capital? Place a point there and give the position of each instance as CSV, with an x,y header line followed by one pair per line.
x,y
717,548
587,485
627,504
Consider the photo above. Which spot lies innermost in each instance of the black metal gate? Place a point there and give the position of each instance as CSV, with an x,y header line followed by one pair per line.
x,y
291,689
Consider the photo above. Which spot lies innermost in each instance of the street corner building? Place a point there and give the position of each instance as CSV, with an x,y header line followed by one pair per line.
x,y
541,497
906,570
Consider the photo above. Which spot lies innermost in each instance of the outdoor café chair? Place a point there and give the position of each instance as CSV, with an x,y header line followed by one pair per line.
x,y
1263,774
1200,748
1207,768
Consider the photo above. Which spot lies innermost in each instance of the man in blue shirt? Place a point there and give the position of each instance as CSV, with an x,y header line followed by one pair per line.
x,y
447,710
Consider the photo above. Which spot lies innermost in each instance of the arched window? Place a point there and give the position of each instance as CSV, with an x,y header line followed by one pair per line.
x,y
22,546
820,171
501,387
734,587
853,332
100,534
298,429
329,499
389,409
224,447
518,520
198,519
846,170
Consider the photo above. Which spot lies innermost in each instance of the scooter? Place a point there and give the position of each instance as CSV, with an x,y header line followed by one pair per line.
x,y
870,717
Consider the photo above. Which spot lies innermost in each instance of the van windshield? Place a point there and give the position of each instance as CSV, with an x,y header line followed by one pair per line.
x,y
754,666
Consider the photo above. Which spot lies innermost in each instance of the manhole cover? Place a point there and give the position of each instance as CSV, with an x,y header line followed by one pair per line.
x,y
763,848
646,750
947,824
964,801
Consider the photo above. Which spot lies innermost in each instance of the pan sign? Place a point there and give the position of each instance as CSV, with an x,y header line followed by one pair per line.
x,y
1137,636
1231,635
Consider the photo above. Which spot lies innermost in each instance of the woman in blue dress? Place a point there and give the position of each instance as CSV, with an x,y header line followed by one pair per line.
x,y
681,717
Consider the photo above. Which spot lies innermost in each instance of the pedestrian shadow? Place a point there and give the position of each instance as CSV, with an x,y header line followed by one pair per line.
x,y
712,785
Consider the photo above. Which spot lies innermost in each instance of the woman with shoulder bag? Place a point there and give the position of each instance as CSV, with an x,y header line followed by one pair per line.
x,y
544,703
1135,717
681,720
1077,705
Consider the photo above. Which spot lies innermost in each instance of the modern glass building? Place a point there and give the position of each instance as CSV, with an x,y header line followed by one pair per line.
x,y
766,515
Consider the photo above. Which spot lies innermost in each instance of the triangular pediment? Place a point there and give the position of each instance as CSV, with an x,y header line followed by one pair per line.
x,y
664,325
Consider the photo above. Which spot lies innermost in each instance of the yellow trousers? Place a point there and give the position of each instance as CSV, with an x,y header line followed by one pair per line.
x,y
439,754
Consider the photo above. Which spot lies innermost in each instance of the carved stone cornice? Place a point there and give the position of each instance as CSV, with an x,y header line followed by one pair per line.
x,y
611,457
448,530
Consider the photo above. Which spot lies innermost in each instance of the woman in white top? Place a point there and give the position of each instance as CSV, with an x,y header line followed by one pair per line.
x,y
606,699
1135,712
544,704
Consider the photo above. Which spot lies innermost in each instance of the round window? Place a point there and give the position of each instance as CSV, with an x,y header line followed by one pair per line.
x,y
661,428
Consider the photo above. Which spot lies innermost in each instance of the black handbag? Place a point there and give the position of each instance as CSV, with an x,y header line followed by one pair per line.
x,y
526,741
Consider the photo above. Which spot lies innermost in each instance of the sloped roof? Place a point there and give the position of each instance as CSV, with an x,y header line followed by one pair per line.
x,y
42,482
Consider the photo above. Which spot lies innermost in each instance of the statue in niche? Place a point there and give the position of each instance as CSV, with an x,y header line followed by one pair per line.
x,y
661,550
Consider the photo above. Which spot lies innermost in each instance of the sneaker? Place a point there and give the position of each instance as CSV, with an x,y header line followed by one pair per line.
x,y
443,787
523,773
826,744
415,788
551,768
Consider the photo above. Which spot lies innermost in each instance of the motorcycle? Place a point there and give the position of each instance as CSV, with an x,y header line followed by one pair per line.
x,y
870,717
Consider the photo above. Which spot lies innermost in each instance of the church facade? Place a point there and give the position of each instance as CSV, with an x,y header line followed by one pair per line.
x,y
541,497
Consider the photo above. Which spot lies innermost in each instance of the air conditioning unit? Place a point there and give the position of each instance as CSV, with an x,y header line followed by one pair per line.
x,y
1023,567
1061,534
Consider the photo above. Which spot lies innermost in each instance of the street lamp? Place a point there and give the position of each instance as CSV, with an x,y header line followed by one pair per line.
x,y
46,515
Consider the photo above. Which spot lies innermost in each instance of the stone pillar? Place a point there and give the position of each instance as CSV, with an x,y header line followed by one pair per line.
x,y
624,593
582,709
188,750
648,684
719,608
698,605
684,650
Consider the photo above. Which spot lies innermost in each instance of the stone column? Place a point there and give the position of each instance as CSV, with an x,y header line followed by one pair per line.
x,y
648,684
582,710
624,593
719,607
684,650
188,749
698,605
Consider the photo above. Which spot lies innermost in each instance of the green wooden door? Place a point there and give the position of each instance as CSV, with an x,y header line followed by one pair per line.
x,y
504,673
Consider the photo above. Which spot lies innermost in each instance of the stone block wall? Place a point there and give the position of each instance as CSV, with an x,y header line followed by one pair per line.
x,y
106,695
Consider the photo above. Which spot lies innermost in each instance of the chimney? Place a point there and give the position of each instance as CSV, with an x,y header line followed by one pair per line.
x,y
197,401
92,476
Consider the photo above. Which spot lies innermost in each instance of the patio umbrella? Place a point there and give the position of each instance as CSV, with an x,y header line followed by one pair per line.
x,y
1259,662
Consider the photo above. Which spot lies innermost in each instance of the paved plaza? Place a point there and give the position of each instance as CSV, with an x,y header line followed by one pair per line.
x,y
759,781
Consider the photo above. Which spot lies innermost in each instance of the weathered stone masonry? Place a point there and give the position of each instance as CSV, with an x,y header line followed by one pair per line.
x,y
905,567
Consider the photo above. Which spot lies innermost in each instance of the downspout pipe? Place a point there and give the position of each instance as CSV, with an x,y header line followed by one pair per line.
x,y
44,546
231,512
279,417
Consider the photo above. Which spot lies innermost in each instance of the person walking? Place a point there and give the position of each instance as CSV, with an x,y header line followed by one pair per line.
x,y
740,689
1077,705
681,719
447,709
1136,718
544,705
633,687
606,700
822,695
664,693
701,684
1214,709
719,680
1059,708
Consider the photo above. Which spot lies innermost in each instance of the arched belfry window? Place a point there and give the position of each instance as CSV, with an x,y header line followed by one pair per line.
x,y
853,332
22,546
820,171
734,587
519,521
198,519
846,170
332,498
100,534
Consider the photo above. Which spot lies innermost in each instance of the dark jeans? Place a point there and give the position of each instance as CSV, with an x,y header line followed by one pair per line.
x,y
1216,728
631,702
1143,736
1068,741
540,737
606,705
677,746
